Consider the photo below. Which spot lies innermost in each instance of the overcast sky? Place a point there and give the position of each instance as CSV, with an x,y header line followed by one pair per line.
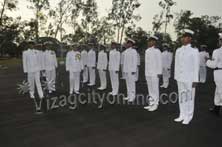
x,y
147,10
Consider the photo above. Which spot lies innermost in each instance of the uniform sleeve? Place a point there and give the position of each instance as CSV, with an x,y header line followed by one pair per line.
x,y
212,63
106,61
196,63
133,65
170,60
55,61
138,59
176,64
118,61
94,59
24,62
67,62
159,62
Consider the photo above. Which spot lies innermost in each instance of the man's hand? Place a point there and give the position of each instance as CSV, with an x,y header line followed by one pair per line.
x,y
159,75
133,73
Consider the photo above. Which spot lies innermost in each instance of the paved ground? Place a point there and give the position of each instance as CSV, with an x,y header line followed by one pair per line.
x,y
112,126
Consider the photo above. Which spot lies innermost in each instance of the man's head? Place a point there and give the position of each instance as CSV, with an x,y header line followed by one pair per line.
x,y
130,43
152,41
187,36
113,45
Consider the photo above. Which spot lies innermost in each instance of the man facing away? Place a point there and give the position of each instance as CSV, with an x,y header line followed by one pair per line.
x,y
187,76
114,67
167,58
153,71
204,55
130,68
216,64
91,63
74,67
102,67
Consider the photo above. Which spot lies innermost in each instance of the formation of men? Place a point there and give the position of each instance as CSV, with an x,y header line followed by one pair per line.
x,y
190,69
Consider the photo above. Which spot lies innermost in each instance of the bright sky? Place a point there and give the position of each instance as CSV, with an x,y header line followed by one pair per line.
x,y
147,10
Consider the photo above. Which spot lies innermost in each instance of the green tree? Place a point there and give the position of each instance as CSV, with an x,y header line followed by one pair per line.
x,y
6,5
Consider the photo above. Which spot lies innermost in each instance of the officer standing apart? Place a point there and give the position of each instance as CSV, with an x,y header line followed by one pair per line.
x,y
216,64
204,55
114,67
153,71
91,62
102,67
74,67
32,66
130,68
167,58
187,76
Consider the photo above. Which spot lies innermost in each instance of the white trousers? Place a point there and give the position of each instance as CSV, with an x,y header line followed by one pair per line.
x,y
74,81
51,79
186,100
114,77
218,93
153,89
92,76
131,86
203,74
103,80
34,80
166,77
85,74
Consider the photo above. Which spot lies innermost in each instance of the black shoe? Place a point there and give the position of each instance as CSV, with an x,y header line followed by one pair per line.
x,y
215,110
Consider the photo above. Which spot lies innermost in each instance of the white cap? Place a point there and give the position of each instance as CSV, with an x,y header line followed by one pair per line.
x,y
131,40
153,37
188,31
220,35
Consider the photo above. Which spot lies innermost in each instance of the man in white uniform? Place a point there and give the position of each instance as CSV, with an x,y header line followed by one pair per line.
x,y
204,55
32,66
138,65
74,66
121,62
50,65
114,67
167,58
102,67
153,71
84,58
130,68
216,64
187,76
91,63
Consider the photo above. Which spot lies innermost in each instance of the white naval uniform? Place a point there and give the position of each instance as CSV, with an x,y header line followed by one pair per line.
x,y
130,68
84,58
91,63
102,67
167,58
50,65
121,63
74,66
32,66
153,68
216,62
138,66
186,73
114,67
203,70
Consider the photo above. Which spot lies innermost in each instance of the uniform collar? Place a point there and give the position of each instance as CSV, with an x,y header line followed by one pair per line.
x,y
186,46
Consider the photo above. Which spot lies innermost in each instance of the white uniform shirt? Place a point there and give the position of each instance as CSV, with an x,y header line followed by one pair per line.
x,y
102,60
73,61
130,61
114,60
153,62
84,57
91,61
216,62
31,61
167,58
203,58
50,60
138,59
187,64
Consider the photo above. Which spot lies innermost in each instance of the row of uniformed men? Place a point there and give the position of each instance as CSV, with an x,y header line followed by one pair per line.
x,y
187,69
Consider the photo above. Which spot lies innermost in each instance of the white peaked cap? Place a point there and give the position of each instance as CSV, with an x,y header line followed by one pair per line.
x,y
131,40
154,37
187,31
